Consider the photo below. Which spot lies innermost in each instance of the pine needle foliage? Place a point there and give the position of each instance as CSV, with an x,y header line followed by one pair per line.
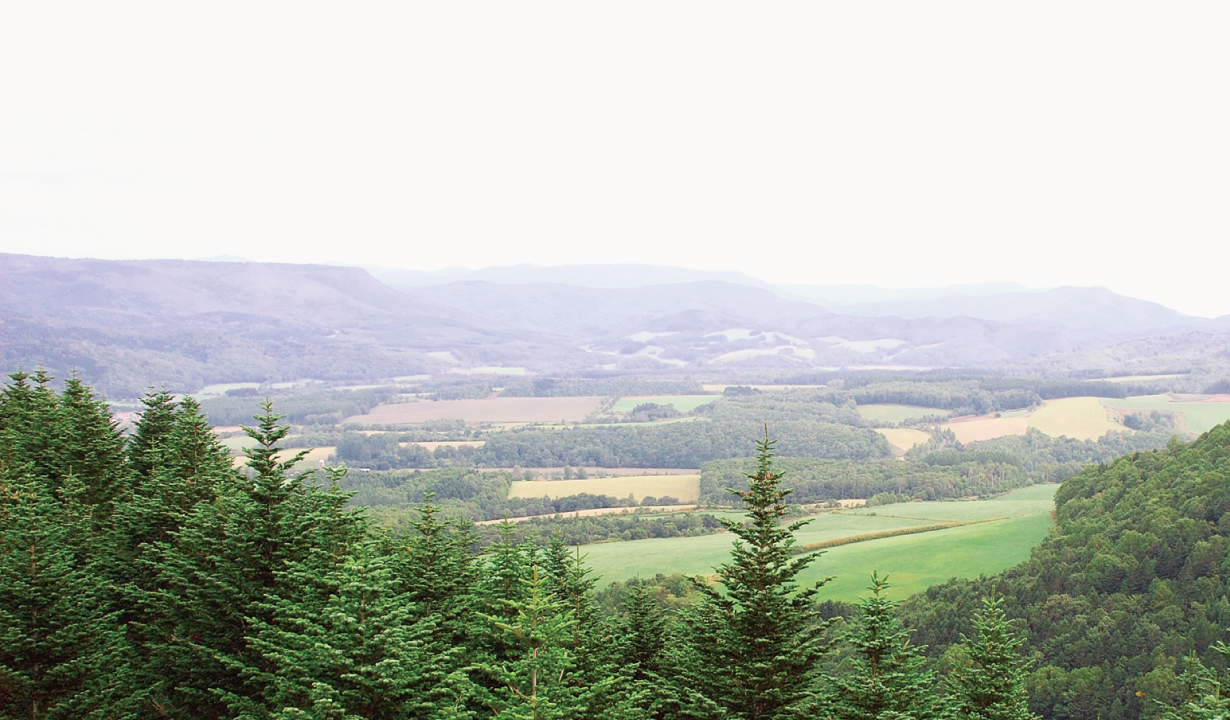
x,y
887,680
757,641
991,686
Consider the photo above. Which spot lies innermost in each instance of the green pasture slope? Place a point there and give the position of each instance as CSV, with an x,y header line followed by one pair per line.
x,y
682,403
914,562
1200,417
896,413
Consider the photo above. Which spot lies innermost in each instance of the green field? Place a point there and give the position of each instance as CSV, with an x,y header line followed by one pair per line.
x,y
915,562
896,413
682,403
685,488
1198,417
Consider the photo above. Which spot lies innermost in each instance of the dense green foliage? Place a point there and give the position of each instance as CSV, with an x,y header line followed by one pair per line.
x,y
145,576
321,408
816,480
1133,579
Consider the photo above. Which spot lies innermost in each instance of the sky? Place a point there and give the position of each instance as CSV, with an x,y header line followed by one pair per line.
x,y
901,144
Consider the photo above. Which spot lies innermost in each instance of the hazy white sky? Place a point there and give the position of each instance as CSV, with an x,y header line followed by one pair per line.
x,y
900,144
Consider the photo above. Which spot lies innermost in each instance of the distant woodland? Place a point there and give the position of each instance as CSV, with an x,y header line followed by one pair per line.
x,y
144,574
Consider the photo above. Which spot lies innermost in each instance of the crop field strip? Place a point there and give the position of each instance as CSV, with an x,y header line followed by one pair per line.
x,y
896,413
682,403
1197,417
499,409
973,537
685,488
904,438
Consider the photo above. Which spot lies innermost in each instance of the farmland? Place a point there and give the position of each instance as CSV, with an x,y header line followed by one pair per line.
x,y
1083,418
685,488
682,403
896,413
914,561
1197,416
497,409
904,438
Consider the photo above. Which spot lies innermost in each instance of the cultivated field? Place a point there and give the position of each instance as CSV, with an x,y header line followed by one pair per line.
x,y
1083,418
685,488
500,409
651,510
1196,417
682,403
433,444
914,562
904,438
896,413
986,428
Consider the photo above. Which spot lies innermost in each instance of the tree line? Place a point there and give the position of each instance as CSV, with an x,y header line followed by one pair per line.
x,y
147,577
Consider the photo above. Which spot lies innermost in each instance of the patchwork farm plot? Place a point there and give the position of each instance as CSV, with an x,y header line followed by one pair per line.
x,y
685,488
682,403
499,409
896,413
904,438
1082,418
1014,524
1197,417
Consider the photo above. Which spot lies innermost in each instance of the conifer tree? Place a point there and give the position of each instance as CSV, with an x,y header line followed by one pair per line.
x,y
54,636
992,685
151,433
228,558
887,680
1208,697
757,644
92,447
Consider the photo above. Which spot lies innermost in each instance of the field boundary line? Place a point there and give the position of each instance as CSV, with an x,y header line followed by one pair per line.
x,y
865,537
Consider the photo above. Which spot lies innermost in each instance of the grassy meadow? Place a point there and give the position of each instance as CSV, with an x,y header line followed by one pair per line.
x,y
682,403
915,562
685,488
1197,417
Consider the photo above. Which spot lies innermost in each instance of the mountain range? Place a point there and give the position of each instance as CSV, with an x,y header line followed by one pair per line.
x,y
125,325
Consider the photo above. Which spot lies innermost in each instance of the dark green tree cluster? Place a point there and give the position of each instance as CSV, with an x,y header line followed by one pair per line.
x,y
1133,580
144,576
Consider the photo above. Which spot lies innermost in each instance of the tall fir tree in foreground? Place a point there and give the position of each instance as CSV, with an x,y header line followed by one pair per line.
x,y
887,680
756,644
991,686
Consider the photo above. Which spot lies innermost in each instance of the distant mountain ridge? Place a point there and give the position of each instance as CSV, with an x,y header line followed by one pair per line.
x,y
129,324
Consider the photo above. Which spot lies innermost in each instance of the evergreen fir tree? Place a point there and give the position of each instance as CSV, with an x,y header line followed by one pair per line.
x,y
92,447
54,636
149,437
1207,694
887,680
757,645
992,685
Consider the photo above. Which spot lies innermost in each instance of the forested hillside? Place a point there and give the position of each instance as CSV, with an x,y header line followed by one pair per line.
x,y
1131,584
145,575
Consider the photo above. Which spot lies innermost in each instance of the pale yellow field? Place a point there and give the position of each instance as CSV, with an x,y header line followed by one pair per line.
x,y
1081,418
500,409
904,438
685,488
433,444
593,512
987,428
